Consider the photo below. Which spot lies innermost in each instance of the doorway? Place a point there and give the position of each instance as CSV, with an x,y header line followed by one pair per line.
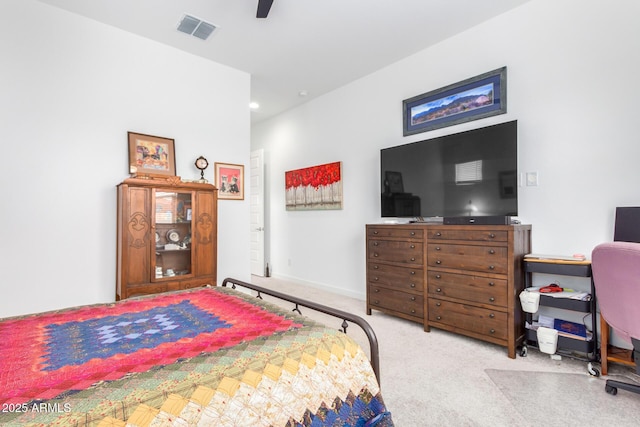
x,y
257,212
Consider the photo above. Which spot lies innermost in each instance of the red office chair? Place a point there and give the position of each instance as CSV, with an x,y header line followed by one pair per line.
x,y
616,276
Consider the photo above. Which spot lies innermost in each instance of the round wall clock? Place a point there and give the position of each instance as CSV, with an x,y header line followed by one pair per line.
x,y
202,163
173,236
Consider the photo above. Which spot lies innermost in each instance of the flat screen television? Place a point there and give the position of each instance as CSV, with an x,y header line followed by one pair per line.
x,y
470,174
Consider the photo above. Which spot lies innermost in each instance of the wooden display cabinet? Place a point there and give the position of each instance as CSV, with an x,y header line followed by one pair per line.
x,y
166,236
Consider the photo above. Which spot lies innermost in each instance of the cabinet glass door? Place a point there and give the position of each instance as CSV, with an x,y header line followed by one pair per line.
x,y
172,234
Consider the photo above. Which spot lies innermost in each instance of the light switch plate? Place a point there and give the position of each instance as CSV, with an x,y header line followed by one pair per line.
x,y
532,179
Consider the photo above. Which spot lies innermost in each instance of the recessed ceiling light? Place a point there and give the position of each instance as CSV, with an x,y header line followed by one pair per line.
x,y
303,93
254,105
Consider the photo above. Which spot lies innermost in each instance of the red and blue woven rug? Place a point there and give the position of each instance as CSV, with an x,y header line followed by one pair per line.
x,y
52,353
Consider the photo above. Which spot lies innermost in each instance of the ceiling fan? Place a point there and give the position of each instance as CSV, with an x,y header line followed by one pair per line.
x,y
263,8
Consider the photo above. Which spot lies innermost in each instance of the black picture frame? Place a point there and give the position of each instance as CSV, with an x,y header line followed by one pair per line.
x,y
475,98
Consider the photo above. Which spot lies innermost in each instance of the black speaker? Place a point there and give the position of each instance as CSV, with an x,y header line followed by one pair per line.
x,y
627,227
477,220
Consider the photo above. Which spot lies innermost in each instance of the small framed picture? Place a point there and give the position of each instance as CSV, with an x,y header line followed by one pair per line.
x,y
151,155
230,181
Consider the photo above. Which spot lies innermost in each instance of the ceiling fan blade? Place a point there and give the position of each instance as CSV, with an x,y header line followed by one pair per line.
x,y
263,8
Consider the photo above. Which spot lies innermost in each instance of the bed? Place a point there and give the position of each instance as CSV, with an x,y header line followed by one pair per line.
x,y
210,356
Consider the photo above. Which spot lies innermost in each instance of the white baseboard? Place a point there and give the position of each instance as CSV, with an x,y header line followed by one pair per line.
x,y
323,286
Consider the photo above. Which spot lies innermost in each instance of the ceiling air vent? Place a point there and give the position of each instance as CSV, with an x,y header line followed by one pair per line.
x,y
196,27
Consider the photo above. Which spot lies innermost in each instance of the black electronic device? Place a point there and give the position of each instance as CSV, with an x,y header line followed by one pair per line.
x,y
468,177
627,226
478,220
264,6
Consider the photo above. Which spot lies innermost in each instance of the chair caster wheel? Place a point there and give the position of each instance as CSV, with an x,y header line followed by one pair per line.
x,y
524,351
611,390
593,371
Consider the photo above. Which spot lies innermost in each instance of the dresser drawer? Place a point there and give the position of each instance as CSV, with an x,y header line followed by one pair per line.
x,y
477,289
468,234
473,319
400,278
395,232
149,288
197,283
403,302
395,251
488,259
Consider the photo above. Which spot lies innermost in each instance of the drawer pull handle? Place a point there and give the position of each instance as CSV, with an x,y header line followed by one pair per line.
x,y
438,276
413,273
438,318
375,267
377,290
376,279
375,254
413,246
491,284
413,233
413,312
438,234
491,251
437,248
492,235
438,262
438,304
492,315
492,331
492,299
413,259
438,290
413,298
376,302
491,267
413,285
375,243
375,232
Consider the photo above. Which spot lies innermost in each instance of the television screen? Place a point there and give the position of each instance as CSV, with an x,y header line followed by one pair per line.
x,y
472,173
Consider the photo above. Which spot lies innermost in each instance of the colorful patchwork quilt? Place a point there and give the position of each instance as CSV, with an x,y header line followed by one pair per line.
x,y
205,357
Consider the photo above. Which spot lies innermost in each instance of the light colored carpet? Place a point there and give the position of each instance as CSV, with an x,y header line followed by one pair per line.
x,y
556,394
442,379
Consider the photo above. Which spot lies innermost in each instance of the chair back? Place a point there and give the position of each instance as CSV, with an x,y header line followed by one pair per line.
x,y
616,276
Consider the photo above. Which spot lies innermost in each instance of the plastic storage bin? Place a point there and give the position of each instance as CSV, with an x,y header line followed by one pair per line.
x,y
547,340
529,301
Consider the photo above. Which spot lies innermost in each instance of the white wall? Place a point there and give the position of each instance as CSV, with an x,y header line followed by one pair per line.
x,y
572,72
70,89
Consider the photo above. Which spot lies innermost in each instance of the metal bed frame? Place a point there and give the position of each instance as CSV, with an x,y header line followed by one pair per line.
x,y
346,317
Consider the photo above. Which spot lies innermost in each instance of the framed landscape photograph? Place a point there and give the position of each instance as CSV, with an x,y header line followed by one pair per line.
x,y
151,155
472,99
230,181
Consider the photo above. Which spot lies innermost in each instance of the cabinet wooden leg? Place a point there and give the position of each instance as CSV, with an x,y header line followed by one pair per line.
x,y
604,345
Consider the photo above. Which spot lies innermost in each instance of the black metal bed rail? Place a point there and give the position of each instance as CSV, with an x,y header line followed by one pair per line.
x,y
363,324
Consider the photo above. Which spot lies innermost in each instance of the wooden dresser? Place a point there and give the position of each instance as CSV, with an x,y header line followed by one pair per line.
x,y
468,276
395,270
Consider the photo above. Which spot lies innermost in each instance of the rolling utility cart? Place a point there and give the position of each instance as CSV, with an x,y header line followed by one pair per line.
x,y
566,346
